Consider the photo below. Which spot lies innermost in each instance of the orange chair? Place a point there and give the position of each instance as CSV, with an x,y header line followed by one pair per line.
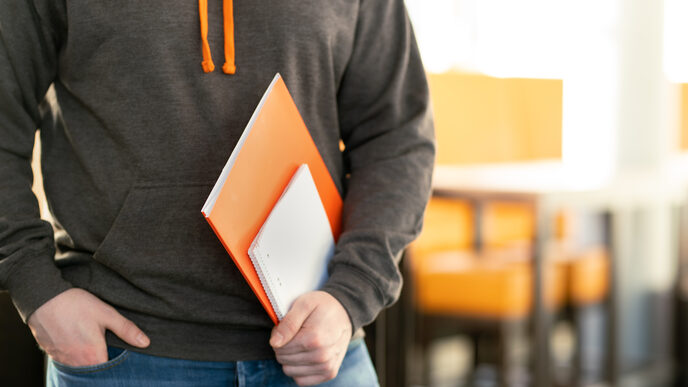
x,y
486,292
492,285
491,288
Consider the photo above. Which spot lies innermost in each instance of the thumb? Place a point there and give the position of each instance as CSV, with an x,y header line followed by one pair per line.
x,y
290,324
127,331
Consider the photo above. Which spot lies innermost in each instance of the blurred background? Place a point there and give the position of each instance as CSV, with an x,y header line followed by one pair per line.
x,y
554,251
554,246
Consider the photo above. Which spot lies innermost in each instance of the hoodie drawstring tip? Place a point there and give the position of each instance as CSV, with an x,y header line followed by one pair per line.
x,y
208,66
229,68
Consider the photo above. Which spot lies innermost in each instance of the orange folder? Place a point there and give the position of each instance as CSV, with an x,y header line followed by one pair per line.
x,y
274,144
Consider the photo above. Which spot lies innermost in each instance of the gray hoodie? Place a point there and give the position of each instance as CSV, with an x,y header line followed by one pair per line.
x,y
135,133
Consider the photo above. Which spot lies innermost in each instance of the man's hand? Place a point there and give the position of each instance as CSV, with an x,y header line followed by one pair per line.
x,y
71,328
311,340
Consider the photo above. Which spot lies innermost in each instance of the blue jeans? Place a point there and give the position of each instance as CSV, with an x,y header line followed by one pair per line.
x,y
131,369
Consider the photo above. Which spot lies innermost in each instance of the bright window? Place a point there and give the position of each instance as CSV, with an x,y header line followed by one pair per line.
x,y
572,41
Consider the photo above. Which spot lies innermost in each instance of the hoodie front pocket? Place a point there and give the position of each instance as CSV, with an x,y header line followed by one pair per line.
x,y
161,258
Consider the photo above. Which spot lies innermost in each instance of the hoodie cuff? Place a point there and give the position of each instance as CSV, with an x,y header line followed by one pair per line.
x,y
34,281
359,296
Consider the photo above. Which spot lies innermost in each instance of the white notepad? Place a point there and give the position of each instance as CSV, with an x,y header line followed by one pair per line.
x,y
294,245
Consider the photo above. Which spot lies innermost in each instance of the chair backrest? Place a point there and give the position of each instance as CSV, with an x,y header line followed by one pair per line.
x,y
448,225
507,223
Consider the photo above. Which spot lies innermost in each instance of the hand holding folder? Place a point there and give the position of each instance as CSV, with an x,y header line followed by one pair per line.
x,y
272,147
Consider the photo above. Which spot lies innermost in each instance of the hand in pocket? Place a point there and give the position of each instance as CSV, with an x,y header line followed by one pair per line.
x,y
71,328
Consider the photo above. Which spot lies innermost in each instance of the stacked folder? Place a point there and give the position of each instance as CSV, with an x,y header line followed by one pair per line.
x,y
272,151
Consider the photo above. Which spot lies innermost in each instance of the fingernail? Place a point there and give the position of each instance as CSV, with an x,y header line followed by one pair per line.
x,y
276,340
143,340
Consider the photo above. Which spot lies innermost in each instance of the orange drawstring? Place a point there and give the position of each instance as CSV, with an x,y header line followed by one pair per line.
x,y
228,12
207,63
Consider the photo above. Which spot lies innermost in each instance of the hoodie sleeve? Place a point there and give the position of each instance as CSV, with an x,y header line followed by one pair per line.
x,y
28,46
387,129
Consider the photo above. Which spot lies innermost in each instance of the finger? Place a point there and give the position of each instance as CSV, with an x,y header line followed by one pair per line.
x,y
310,340
314,379
290,325
326,369
306,358
127,331
301,371
305,341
